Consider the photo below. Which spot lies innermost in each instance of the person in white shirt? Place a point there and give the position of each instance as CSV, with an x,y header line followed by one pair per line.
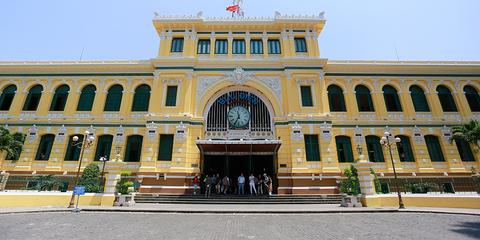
x,y
251,181
241,184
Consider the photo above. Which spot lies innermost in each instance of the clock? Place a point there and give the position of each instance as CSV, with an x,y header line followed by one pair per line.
x,y
238,117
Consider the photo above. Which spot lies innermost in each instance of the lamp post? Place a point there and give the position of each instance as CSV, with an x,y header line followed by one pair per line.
x,y
86,143
104,160
388,141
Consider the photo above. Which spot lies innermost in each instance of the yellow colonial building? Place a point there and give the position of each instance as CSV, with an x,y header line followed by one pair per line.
x,y
242,95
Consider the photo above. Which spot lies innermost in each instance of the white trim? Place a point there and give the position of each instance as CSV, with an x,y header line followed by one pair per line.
x,y
308,177
167,187
308,188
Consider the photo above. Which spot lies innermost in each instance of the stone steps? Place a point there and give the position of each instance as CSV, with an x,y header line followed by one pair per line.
x,y
234,199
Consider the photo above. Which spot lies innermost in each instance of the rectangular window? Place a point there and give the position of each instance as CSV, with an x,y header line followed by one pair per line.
x,y
312,148
256,46
239,46
73,152
171,100
203,47
434,149
166,147
45,147
306,93
221,47
465,151
177,45
300,45
274,46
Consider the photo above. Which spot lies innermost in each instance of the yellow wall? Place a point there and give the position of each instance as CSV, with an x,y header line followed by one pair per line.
x,y
9,199
448,201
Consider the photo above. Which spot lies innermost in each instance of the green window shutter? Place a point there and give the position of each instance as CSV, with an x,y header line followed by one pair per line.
x,y
239,46
364,99
434,149
45,147
419,100
336,99
85,102
73,152
344,149
404,149
374,148
141,99
256,46
6,98
306,93
300,45
171,100
312,148
392,101
203,47
446,99
465,151
114,99
177,45
473,98
104,147
133,151
33,98
221,47
60,98
274,47
165,148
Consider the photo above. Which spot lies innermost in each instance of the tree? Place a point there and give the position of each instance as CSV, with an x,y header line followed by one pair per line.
x,y
12,144
91,179
468,132
350,185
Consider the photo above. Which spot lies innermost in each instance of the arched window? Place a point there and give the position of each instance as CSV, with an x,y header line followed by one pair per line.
x,y
392,101
473,98
7,96
85,102
419,100
465,151
133,150
434,148
336,99
404,149
60,98
104,147
344,149
73,152
45,147
364,99
114,99
375,152
446,99
33,98
141,98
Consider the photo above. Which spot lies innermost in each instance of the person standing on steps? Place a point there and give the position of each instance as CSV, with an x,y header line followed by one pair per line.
x,y
270,185
196,183
208,184
260,185
241,184
251,182
266,183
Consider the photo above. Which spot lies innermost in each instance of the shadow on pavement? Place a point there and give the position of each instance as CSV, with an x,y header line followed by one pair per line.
x,y
471,229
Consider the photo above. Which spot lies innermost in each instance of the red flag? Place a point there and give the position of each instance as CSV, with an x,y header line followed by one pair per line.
x,y
233,8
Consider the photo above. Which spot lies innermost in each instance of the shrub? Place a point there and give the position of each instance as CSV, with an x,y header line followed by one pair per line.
x,y
420,187
124,185
91,179
350,185
376,182
43,183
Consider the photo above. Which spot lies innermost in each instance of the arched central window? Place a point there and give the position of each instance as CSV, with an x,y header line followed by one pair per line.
x,y
33,98
375,152
60,98
336,99
114,99
364,99
446,99
392,101
85,103
141,98
473,98
6,98
344,149
419,100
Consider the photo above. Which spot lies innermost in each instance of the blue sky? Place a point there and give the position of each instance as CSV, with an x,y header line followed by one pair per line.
x,y
122,29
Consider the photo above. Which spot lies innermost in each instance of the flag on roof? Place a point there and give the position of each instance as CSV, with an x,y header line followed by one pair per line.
x,y
233,8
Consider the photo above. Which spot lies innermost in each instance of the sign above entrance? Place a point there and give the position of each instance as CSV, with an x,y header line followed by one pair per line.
x,y
236,98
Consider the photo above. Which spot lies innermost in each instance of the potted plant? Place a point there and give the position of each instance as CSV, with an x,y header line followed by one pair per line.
x,y
350,188
125,189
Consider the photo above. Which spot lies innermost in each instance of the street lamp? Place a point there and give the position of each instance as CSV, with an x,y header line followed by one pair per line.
x,y
86,143
388,142
104,160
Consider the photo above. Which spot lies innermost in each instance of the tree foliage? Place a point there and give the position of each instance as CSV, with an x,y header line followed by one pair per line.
x,y
469,132
350,185
12,144
91,179
44,183
124,185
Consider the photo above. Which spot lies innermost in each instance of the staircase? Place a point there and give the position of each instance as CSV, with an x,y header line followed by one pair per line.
x,y
235,199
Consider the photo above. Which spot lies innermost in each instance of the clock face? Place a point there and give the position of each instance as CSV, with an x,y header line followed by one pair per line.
x,y
238,117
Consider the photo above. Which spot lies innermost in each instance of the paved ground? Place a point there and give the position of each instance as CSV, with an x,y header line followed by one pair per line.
x,y
105,226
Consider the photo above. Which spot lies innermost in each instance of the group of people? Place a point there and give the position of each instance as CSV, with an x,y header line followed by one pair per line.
x,y
215,184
